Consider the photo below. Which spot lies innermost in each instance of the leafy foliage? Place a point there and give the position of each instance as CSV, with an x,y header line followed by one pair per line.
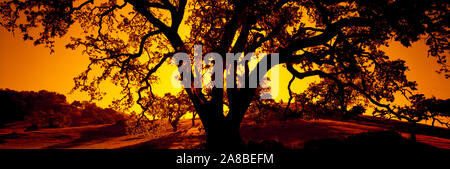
x,y
337,40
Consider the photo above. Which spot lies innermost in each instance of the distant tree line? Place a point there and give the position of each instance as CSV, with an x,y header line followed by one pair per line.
x,y
45,109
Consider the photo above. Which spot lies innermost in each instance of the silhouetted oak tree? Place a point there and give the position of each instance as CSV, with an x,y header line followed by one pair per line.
x,y
337,40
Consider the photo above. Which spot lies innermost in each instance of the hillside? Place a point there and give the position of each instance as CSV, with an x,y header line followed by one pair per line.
x,y
292,134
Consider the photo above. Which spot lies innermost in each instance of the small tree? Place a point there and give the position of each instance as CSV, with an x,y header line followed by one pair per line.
x,y
174,107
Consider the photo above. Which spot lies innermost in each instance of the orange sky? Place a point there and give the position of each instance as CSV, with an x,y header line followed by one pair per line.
x,y
27,67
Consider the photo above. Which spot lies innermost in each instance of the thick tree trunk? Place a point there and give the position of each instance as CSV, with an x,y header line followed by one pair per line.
x,y
223,136
222,132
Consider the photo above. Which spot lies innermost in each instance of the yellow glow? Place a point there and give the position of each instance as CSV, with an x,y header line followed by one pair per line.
x,y
27,67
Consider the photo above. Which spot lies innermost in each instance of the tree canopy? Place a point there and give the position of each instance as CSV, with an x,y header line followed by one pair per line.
x,y
337,40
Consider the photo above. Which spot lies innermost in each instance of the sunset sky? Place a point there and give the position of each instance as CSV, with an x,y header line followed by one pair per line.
x,y
26,67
